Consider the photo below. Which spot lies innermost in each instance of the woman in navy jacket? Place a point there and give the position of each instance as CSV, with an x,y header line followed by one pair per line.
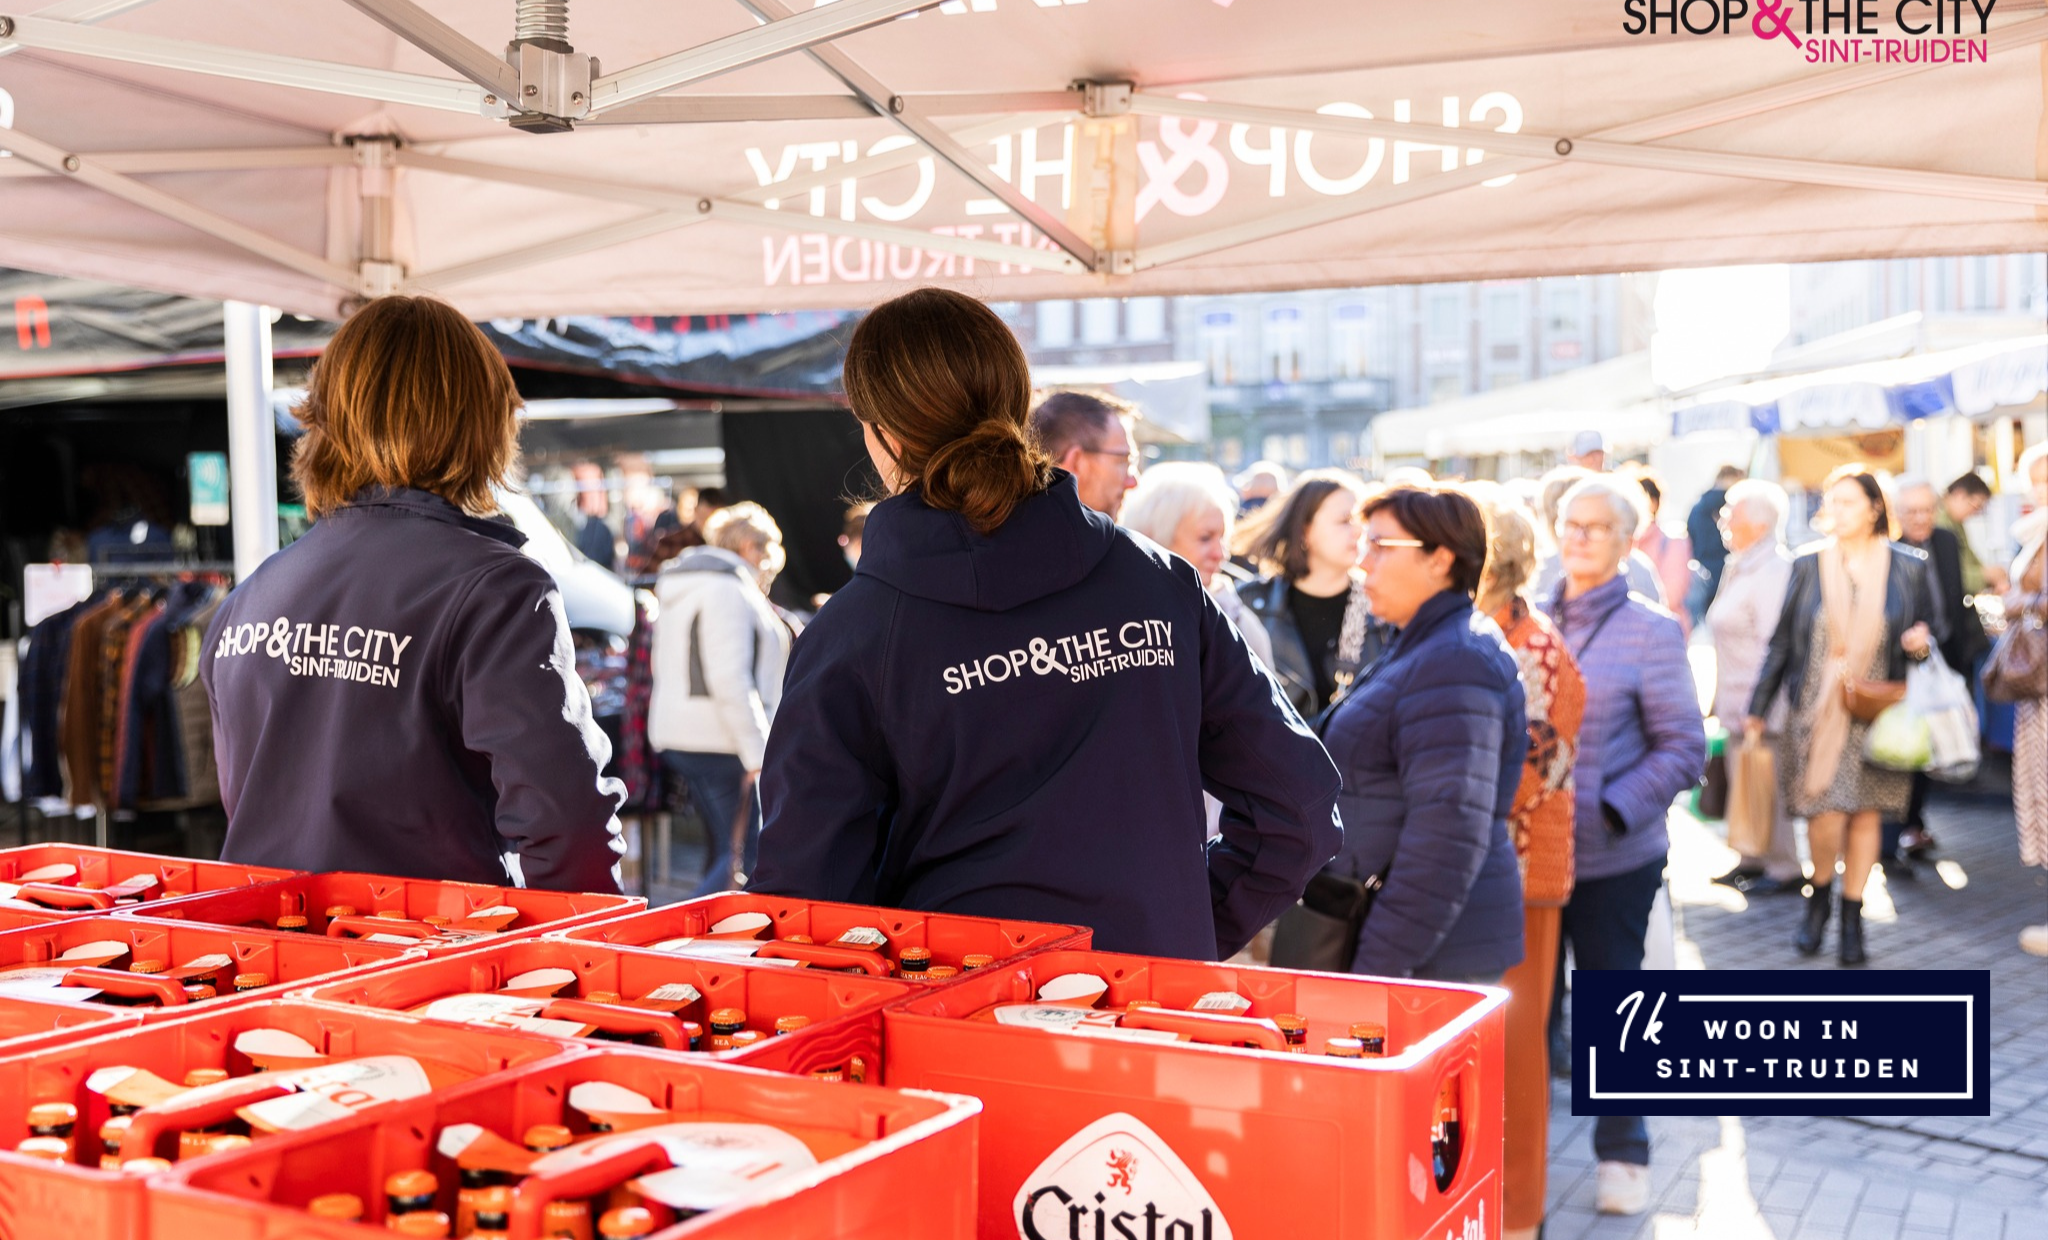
x,y
1430,743
1014,708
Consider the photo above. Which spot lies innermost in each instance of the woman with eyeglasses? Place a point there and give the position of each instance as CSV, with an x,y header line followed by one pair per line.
x,y
1858,607
1641,744
1430,742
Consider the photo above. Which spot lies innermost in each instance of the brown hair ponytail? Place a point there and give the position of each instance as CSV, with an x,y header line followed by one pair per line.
x,y
945,378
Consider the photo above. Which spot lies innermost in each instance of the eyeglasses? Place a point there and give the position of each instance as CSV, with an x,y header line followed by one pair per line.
x,y
1373,546
1129,456
1591,533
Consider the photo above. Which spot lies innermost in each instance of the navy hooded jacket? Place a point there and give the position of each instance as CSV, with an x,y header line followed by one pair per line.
x,y
1431,743
396,692
1022,724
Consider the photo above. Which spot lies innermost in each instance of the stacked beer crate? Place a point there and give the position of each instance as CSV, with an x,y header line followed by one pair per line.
x,y
200,1051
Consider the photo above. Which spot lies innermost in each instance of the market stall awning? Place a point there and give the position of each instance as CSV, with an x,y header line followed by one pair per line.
x,y
1972,381
636,157
1616,397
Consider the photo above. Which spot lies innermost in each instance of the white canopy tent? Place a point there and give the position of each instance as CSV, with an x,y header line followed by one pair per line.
x,y
722,156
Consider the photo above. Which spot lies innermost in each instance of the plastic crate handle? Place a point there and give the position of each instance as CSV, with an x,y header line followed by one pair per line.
x,y
364,927
614,1018
151,1123
826,956
167,991
533,1194
1215,1028
49,895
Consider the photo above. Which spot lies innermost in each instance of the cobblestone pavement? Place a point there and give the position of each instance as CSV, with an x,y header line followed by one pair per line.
x,y
1854,1177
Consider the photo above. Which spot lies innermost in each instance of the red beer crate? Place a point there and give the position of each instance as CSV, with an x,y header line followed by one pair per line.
x,y
949,938
1192,1142
26,1024
82,1202
100,868
286,960
843,1008
311,895
891,1166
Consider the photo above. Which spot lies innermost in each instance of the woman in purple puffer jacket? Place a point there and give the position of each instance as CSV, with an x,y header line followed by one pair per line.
x,y
1642,743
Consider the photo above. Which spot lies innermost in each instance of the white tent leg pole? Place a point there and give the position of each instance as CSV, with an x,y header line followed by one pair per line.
x,y
252,436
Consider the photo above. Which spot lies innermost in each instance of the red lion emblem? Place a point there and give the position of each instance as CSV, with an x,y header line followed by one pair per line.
x,y
1121,1164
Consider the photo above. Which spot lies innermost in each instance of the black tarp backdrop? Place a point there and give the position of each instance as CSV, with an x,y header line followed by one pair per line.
x,y
805,467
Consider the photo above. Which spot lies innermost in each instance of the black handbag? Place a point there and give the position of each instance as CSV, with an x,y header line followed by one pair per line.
x,y
1320,933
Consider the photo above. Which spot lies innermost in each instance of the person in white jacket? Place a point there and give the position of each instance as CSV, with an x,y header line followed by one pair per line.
x,y
719,654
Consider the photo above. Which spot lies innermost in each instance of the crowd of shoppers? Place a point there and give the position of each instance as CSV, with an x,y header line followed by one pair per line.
x,y
1478,695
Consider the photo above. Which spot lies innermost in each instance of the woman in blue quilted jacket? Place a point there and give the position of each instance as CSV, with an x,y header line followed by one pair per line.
x,y
1430,742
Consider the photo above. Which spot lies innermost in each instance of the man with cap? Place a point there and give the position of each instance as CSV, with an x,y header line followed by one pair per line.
x,y
1589,451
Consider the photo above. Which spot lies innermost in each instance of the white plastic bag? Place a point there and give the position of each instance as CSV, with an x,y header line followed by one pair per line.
x,y
1899,740
1942,698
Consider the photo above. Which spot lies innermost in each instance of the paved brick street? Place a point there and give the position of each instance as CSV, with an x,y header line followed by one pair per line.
x,y
1854,1177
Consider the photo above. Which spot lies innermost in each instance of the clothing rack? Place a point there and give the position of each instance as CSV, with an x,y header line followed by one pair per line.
x,y
162,568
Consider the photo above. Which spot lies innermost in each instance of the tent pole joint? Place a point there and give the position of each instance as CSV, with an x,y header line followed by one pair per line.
x,y
1105,99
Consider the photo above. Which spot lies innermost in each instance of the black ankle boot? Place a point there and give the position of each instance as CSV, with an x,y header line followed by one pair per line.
x,y
1852,931
1818,904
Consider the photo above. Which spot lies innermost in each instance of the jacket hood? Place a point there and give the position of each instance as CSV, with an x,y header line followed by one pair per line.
x,y
1050,543
710,560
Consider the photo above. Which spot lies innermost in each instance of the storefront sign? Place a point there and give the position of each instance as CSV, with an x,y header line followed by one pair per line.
x,y
208,472
1116,1178
1781,1042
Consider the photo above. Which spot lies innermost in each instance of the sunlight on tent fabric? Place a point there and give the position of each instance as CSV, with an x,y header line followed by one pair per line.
x,y
1717,322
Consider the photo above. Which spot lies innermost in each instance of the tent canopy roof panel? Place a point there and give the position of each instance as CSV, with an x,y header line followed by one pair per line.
x,y
734,156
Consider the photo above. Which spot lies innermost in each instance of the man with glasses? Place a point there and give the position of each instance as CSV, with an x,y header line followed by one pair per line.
x,y
1090,437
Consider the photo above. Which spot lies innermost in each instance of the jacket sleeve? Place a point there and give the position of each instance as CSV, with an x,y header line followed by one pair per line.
x,y
520,704
1277,785
1778,659
1929,595
725,626
1451,726
1674,735
827,781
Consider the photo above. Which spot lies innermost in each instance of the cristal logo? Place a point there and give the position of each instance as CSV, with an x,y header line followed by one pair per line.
x,y
1116,1178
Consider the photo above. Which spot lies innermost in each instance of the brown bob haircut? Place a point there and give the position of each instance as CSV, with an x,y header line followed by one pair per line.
x,y
1441,517
1277,534
945,378
1884,523
407,394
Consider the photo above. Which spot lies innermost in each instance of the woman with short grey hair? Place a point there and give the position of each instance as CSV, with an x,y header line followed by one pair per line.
x,y
1641,744
1189,509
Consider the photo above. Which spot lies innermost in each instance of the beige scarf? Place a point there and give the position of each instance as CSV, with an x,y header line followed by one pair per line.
x,y
1852,600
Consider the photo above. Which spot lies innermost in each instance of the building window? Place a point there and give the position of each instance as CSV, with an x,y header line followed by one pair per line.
x,y
1145,319
1503,313
1055,324
1444,319
1503,378
1283,344
1098,320
1343,447
1230,452
1219,346
1564,310
1350,343
1274,448
1445,387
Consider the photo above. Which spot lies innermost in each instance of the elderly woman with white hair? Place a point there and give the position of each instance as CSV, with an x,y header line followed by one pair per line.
x,y
1190,510
1742,617
1641,744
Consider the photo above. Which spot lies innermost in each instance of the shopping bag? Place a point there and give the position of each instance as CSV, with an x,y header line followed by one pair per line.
x,y
1942,697
1752,797
1899,740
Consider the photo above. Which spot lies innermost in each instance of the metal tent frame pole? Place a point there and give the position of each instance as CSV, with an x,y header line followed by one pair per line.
x,y
252,436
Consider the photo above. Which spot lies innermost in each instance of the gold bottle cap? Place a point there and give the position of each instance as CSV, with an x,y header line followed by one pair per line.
x,y
340,910
205,1076
228,1142
625,1224
544,1137
979,960
790,1024
341,1207
292,921
410,1185
251,981
728,1021
1344,1048
199,993
53,1149
148,966
46,1115
431,1224
145,1166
